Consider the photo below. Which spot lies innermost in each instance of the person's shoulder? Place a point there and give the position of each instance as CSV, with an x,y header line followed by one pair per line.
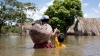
x,y
61,46
64,46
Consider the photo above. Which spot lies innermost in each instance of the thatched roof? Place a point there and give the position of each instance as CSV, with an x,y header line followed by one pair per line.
x,y
87,26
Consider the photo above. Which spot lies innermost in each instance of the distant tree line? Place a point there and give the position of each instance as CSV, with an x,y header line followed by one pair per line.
x,y
15,11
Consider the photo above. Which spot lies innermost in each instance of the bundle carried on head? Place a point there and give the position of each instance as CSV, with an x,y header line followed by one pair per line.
x,y
40,33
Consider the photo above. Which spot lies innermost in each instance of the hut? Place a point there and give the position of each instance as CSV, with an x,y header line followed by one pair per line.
x,y
86,26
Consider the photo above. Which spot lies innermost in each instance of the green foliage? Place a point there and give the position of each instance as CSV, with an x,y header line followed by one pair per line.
x,y
10,29
14,29
5,29
66,11
30,20
57,23
14,10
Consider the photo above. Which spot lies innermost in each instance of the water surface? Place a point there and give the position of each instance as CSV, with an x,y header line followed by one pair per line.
x,y
76,46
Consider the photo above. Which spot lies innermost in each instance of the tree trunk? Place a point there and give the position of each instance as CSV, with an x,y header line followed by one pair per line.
x,y
0,28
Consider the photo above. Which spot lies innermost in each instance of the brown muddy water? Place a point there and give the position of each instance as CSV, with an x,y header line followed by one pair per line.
x,y
76,46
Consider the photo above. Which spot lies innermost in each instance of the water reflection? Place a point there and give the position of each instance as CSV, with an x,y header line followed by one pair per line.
x,y
76,46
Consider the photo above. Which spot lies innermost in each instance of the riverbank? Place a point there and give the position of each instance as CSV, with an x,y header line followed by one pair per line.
x,y
11,34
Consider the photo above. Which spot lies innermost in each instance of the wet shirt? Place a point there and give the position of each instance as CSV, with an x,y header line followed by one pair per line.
x,y
58,45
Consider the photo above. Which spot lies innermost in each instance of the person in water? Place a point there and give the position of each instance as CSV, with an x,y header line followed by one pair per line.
x,y
41,32
59,41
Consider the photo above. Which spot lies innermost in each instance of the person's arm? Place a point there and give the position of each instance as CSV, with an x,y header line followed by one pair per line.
x,y
54,33
56,42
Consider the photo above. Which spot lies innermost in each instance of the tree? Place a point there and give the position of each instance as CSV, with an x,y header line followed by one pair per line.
x,y
30,20
14,10
66,11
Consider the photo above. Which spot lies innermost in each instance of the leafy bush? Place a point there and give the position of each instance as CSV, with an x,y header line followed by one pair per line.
x,y
14,29
10,29
5,29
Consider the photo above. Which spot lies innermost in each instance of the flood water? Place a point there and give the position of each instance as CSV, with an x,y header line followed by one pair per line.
x,y
76,46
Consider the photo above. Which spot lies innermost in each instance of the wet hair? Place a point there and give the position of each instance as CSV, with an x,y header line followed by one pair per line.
x,y
60,37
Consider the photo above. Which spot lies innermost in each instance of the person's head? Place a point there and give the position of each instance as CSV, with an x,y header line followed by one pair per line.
x,y
45,18
60,37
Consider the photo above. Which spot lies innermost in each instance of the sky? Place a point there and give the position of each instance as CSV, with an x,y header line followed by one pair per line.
x,y
90,8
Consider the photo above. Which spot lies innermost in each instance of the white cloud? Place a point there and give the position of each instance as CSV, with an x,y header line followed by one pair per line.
x,y
81,0
43,10
29,13
85,4
99,5
96,11
85,15
38,14
50,3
